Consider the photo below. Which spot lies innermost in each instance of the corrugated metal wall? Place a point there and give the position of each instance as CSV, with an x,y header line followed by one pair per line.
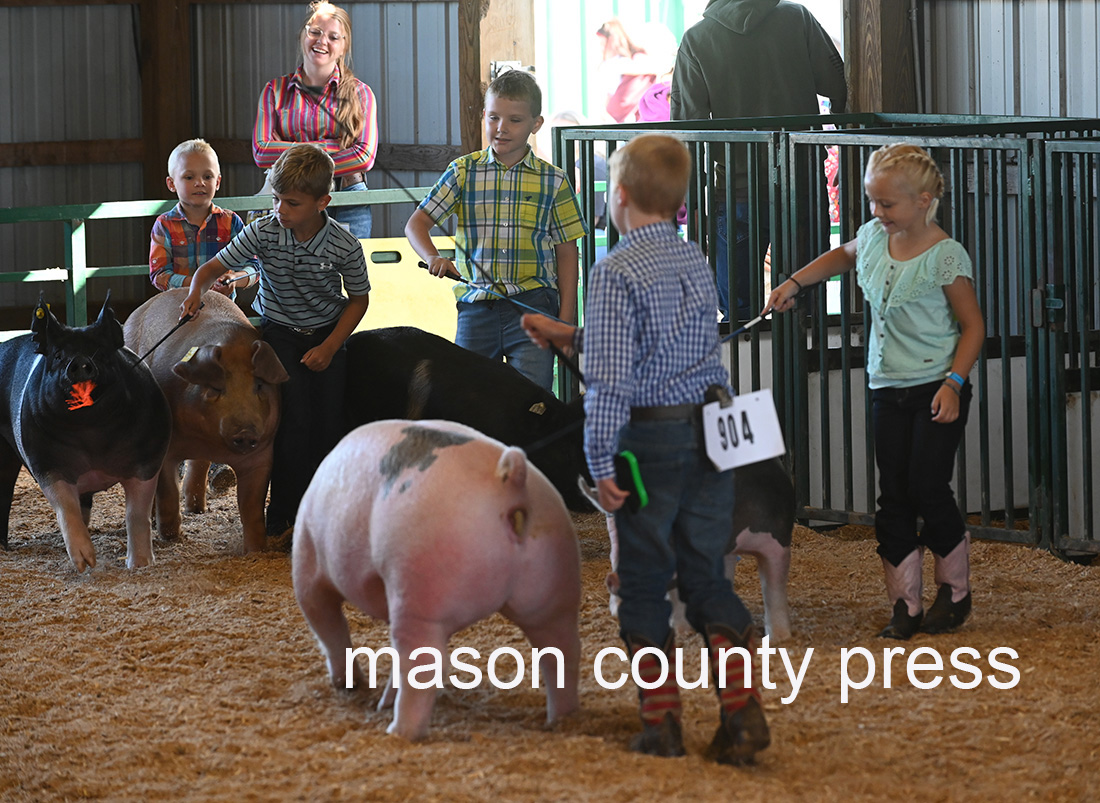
x,y
68,74
1016,57
71,73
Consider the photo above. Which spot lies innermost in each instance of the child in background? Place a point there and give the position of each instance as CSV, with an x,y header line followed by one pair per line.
x,y
926,333
518,220
308,260
193,232
652,359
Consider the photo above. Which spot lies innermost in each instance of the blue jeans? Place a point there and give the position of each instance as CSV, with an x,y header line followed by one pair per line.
x,y
684,529
492,329
745,308
356,218
311,423
916,461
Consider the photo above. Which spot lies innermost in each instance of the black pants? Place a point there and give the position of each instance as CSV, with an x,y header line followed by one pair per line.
x,y
312,420
916,461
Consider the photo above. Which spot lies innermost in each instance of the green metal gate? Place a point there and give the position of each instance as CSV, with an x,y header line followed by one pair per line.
x,y
1021,196
1067,318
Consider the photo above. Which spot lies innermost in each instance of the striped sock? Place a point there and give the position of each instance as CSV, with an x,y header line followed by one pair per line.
x,y
732,695
655,703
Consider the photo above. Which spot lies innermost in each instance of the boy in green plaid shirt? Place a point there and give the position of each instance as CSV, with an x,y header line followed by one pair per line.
x,y
518,223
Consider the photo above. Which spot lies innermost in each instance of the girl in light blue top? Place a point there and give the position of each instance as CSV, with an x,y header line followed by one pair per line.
x,y
926,333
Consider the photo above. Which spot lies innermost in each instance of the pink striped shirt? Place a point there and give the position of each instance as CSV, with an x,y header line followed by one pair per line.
x,y
288,115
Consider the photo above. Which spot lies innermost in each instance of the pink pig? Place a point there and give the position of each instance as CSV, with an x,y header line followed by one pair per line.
x,y
432,526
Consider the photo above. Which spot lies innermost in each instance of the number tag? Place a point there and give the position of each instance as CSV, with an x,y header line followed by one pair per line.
x,y
745,432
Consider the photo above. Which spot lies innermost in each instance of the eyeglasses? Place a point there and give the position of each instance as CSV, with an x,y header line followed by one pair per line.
x,y
317,33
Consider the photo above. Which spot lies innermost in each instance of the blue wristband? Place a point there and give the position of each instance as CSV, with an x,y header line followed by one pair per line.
x,y
956,378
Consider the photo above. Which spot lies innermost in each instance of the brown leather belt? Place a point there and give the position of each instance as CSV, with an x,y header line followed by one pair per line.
x,y
351,179
673,412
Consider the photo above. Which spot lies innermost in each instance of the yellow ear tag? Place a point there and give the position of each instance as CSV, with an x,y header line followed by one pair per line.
x,y
39,313
190,353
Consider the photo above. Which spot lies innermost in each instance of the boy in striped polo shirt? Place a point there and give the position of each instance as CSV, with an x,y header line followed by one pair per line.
x,y
518,220
307,261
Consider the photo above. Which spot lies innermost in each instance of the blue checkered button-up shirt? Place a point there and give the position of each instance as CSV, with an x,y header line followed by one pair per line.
x,y
650,337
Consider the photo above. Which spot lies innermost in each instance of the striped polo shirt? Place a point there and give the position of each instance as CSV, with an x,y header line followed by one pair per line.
x,y
300,283
509,220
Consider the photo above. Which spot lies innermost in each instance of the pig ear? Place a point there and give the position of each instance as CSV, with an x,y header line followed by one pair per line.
x,y
203,367
44,327
108,326
266,365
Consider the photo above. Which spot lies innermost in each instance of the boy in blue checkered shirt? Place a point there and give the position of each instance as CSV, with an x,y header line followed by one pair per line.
x,y
651,356
518,220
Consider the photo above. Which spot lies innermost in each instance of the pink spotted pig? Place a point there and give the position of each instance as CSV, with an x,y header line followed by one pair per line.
x,y
432,526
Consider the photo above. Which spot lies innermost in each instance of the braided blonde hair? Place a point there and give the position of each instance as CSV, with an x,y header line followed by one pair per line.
x,y
916,165
349,111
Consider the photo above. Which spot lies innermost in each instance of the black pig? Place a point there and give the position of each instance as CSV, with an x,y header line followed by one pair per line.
x,y
82,413
405,372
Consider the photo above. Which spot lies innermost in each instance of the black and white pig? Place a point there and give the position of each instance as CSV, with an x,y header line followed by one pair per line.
x,y
763,520
82,413
405,372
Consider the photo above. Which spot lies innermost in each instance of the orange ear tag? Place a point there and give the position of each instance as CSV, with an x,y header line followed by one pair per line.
x,y
81,395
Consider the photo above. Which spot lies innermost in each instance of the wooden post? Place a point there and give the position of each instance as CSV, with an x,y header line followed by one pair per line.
x,y
165,86
470,91
879,40
488,31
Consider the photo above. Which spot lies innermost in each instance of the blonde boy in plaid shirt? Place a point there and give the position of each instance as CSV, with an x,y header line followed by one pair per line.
x,y
518,220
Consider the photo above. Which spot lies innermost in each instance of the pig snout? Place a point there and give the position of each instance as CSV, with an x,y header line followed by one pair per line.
x,y
81,369
240,437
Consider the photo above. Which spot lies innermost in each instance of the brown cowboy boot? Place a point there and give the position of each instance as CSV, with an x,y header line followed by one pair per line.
x,y
743,731
660,707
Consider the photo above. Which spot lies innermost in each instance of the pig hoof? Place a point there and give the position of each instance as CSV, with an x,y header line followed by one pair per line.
x,y
283,542
222,479
138,562
83,558
612,582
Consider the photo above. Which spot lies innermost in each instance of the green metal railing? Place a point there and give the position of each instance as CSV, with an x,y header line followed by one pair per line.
x,y
1069,338
1021,197
75,273
1013,468
984,210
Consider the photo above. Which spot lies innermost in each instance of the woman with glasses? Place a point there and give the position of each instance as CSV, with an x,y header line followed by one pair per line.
x,y
324,103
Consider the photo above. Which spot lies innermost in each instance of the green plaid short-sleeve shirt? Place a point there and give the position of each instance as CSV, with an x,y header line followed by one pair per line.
x,y
509,220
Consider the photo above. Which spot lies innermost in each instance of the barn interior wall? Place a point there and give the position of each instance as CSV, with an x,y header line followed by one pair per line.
x,y
1016,57
975,59
407,52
